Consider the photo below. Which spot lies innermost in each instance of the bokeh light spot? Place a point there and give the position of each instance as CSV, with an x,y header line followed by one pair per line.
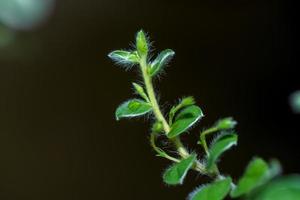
x,y
24,14
295,101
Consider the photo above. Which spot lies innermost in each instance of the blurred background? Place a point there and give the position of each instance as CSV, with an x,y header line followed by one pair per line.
x,y
58,91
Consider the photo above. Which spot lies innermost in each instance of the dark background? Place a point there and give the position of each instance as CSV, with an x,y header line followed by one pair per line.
x,y
58,92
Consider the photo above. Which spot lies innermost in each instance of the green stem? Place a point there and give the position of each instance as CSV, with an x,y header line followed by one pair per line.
x,y
203,138
159,151
205,147
159,116
152,98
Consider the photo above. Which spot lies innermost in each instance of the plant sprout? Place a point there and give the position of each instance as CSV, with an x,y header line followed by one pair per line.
x,y
178,121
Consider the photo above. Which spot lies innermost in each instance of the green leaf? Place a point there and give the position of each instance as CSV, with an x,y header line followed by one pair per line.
x,y
161,60
140,90
186,101
177,172
255,175
184,120
217,190
283,188
142,44
132,108
226,123
124,57
221,144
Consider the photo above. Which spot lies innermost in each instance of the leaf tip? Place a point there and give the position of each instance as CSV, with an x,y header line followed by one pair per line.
x,y
142,43
172,52
226,123
117,117
110,55
140,32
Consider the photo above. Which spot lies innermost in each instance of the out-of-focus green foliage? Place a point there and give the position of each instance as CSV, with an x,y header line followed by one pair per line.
x,y
295,101
254,176
24,14
284,188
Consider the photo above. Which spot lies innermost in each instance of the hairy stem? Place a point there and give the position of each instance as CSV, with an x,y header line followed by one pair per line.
x,y
160,151
205,147
203,138
160,117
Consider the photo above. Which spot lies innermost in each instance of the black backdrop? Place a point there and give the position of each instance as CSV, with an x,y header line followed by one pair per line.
x,y
58,136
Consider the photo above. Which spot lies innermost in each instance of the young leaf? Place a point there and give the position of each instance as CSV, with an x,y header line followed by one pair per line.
x,y
142,44
186,101
184,120
132,108
217,190
161,60
226,123
140,90
157,127
124,57
219,146
255,175
177,172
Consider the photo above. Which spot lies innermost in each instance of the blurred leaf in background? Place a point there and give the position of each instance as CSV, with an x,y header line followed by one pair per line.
x,y
24,14
283,188
295,101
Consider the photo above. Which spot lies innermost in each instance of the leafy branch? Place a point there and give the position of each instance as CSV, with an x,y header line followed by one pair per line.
x,y
181,118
